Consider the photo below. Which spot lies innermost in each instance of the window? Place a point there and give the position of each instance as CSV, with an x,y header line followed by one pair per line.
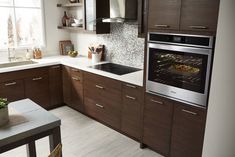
x,y
21,23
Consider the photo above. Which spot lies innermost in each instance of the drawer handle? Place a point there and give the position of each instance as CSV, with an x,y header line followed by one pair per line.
x,y
37,79
198,27
158,102
131,86
190,112
76,79
100,106
55,67
100,87
162,26
10,84
130,97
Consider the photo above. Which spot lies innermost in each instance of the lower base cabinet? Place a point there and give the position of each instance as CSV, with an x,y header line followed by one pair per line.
x,y
188,131
158,114
173,129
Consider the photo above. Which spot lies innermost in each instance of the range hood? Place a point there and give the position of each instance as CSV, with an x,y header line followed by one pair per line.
x,y
122,11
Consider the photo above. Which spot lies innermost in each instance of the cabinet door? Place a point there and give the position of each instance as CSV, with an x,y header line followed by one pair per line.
x,y
188,131
158,114
76,90
56,92
132,97
164,14
37,89
66,85
199,15
12,90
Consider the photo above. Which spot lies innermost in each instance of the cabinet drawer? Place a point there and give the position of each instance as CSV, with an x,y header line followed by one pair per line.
x,y
103,81
76,72
158,114
133,91
12,90
103,112
188,131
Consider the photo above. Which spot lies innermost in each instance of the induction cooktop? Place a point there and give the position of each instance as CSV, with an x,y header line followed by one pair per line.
x,y
115,68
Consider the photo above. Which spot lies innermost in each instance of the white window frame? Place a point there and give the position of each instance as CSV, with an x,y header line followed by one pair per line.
x,y
43,26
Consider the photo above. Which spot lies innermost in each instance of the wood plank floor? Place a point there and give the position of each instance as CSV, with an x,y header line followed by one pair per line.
x,y
84,137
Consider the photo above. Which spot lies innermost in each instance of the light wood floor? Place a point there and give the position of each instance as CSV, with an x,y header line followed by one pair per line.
x,y
84,137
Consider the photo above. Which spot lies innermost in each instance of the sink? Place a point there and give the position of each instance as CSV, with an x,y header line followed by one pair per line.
x,y
12,64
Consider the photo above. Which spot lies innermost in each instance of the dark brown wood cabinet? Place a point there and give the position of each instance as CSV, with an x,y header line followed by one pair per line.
x,y
13,90
188,131
199,15
142,18
158,114
164,14
37,88
183,16
55,84
103,99
132,97
66,84
77,90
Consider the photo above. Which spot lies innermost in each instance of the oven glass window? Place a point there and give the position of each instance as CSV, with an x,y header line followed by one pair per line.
x,y
178,69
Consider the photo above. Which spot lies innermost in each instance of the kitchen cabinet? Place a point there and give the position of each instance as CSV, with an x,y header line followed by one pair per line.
x,y
37,87
188,131
132,97
183,16
77,90
103,99
55,84
164,14
158,114
142,18
200,15
13,90
66,78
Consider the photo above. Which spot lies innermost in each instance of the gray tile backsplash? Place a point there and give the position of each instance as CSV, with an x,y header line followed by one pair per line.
x,y
122,44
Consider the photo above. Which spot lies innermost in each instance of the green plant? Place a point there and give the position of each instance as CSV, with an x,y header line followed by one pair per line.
x,y
3,103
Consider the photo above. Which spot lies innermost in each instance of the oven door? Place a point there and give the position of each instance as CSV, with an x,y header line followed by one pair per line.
x,y
179,72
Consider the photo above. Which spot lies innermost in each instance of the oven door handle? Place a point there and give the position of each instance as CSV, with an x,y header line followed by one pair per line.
x,y
177,48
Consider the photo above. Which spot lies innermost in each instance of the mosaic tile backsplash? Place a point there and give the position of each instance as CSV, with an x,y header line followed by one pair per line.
x,y
122,44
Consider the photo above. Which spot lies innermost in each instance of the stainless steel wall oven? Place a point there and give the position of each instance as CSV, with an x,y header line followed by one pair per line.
x,y
178,66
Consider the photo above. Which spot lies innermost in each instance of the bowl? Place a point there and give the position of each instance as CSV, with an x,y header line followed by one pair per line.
x,y
73,53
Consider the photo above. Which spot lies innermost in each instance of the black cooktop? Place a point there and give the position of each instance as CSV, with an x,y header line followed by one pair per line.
x,y
115,68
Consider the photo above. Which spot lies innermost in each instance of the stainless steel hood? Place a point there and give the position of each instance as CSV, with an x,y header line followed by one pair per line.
x,y
122,11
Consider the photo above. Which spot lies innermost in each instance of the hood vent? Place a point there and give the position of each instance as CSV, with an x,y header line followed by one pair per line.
x,y
122,11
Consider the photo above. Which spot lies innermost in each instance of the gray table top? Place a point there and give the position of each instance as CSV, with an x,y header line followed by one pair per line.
x,y
38,120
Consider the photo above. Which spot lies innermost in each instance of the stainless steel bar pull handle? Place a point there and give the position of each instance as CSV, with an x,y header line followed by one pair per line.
x,y
37,78
10,84
130,97
100,87
190,112
163,26
131,86
76,78
158,102
100,106
198,27
55,67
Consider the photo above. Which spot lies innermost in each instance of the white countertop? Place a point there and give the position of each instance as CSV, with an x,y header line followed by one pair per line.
x,y
82,63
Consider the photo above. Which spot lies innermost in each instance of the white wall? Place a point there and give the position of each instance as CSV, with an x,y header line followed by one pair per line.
x,y
53,16
220,128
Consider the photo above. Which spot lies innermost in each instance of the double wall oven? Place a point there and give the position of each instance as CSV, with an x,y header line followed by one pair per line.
x,y
178,67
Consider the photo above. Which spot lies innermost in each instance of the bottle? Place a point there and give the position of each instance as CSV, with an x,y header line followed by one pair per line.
x,y
65,19
27,55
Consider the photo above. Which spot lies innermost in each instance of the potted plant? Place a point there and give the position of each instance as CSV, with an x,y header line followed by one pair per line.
x,y
4,116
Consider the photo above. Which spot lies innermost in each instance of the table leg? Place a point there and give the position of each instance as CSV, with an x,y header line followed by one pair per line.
x,y
55,138
31,149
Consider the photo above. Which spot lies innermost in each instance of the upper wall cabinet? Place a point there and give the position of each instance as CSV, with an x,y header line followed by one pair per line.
x,y
164,14
186,16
